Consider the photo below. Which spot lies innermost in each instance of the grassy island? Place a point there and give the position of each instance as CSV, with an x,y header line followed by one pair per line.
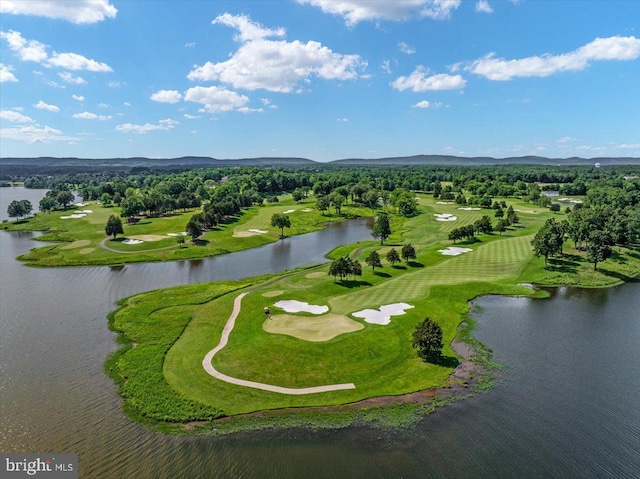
x,y
165,379
81,240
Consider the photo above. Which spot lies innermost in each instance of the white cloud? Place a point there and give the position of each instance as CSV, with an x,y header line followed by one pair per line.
x,y
15,117
34,51
163,125
44,106
404,48
190,44
27,50
77,97
69,78
77,11
103,105
483,6
74,61
355,11
422,104
191,117
216,99
167,96
343,120
5,73
611,48
247,30
126,103
115,84
34,134
282,64
246,109
419,81
386,67
87,115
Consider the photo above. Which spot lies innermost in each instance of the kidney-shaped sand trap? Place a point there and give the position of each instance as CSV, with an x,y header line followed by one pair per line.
x,y
307,328
293,306
382,315
132,241
454,251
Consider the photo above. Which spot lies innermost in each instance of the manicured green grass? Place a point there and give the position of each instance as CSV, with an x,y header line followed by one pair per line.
x,y
224,238
378,359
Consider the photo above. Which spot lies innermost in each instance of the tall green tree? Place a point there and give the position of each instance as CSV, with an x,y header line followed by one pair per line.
x,y
392,256
282,221
408,252
381,228
47,204
194,227
131,206
548,240
64,198
427,339
373,260
114,226
598,247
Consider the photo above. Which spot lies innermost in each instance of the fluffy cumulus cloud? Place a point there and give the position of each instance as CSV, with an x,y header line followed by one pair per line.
x,y
422,104
163,125
15,117
611,48
77,97
5,73
45,106
216,99
34,134
420,80
483,6
404,48
76,11
167,96
87,115
355,11
34,51
282,65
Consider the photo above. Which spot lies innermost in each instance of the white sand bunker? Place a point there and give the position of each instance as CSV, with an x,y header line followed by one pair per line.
x,y
444,202
470,209
260,232
454,251
577,202
382,315
84,211
287,212
80,204
184,233
132,241
307,210
293,306
445,217
74,216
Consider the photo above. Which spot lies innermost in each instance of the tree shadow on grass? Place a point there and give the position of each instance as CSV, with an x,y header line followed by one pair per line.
x,y
348,283
398,266
618,275
415,264
382,274
200,242
566,264
445,361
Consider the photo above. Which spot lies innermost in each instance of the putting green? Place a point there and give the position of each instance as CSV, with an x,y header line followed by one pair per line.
x,y
316,329
317,274
271,294
86,251
77,244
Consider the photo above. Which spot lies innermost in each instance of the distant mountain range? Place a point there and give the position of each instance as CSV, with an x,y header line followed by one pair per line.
x,y
49,165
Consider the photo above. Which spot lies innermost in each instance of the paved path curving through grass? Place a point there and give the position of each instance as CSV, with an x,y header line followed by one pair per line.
x,y
224,339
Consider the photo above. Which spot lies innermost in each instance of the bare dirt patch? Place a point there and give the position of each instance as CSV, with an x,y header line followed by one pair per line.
x,y
318,329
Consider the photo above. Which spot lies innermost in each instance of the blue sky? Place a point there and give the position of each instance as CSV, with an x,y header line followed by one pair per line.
x,y
321,79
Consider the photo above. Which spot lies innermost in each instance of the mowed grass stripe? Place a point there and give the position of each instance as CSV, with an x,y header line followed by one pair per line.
x,y
491,262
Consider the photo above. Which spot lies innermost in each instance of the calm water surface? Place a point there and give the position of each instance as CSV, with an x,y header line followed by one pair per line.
x,y
567,404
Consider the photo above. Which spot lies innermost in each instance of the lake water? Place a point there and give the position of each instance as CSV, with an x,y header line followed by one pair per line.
x,y
567,404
